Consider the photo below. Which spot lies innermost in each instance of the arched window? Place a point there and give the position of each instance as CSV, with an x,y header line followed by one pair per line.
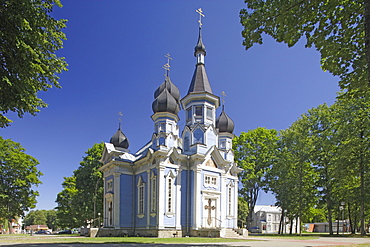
x,y
198,136
186,142
140,197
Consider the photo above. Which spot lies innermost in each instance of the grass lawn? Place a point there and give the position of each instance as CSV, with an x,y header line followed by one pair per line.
x,y
57,239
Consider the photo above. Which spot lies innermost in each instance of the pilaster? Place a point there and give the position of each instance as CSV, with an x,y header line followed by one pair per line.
x,y
161,205
117,199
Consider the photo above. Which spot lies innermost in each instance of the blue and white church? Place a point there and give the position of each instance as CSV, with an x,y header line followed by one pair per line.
x,y
182,182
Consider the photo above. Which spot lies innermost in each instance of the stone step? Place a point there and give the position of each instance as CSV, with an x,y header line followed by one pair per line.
x,y
230,233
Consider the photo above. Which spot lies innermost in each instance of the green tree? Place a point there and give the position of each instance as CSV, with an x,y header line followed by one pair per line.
x,y
66,211
82,197
242,212
29,38
292,178
51,219
354,152
18,176
89,184
254,152
35,217
339,30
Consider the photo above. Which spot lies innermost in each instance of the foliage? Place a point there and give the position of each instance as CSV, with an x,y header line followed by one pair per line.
x,y
337,29
242,212
66,212
255,153
29,38
41,217
82,196
18,176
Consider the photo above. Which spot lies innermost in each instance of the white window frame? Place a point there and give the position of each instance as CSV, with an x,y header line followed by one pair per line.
x,y
210,181
230,199
153,191
140,198
170,193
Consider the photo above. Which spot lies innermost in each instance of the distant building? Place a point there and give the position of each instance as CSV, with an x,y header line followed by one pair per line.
x,y
266,219
179,183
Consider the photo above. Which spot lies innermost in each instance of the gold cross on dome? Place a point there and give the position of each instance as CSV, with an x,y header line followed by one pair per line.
x,y
200,12
120,118
167,66
223,97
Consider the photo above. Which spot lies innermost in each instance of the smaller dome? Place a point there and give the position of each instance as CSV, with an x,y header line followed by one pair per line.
x,y
224,123
119,139
172,89
165,102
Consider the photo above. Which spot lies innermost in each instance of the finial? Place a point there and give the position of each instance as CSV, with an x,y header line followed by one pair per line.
x,y
200,12
223,99
120,119
167,66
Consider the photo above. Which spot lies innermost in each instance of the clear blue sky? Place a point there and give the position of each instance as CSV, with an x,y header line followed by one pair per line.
x,y
115,51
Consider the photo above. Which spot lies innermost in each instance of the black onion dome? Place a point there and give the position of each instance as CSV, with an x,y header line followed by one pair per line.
x,y
200,47
119,139
165,102
224,123
171,88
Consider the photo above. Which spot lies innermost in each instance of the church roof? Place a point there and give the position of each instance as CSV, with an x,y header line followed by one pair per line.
x,y
119,139
172,89
165,102
200,47
166,98
200,82
224,123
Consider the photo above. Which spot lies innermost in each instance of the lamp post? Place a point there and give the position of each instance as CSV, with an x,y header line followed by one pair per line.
x,y
99,219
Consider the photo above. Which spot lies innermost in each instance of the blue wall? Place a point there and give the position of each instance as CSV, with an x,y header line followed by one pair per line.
x,y
126,201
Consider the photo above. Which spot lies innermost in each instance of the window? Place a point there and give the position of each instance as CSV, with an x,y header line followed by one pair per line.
x,y
198,111
169,195
110,185
229,201
153,201
210,181
209,113
140,197
163,127
223,143
198,136
189,114
186,143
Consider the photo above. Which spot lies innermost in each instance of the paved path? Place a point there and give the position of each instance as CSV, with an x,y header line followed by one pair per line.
x,y
263,242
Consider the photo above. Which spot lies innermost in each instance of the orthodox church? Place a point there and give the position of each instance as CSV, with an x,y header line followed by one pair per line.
x,y
182,182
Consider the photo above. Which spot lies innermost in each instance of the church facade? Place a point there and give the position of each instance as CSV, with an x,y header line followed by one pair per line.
x,y
182,182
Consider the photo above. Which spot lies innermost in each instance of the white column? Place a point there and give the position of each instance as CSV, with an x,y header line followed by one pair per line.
x,y
161,207
236,181
149,183
178,199
105,216
223,198
197,198
117,200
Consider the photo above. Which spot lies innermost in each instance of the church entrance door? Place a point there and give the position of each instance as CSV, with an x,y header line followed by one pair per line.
x,y
209,215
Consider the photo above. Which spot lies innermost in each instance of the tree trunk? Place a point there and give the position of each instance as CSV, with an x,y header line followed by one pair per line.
x,y
353,230
362,177
338,221
281,222
291,226
330,216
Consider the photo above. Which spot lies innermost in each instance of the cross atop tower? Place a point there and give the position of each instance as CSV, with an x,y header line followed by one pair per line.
x,y
200,12
223,97
120,118
167,66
